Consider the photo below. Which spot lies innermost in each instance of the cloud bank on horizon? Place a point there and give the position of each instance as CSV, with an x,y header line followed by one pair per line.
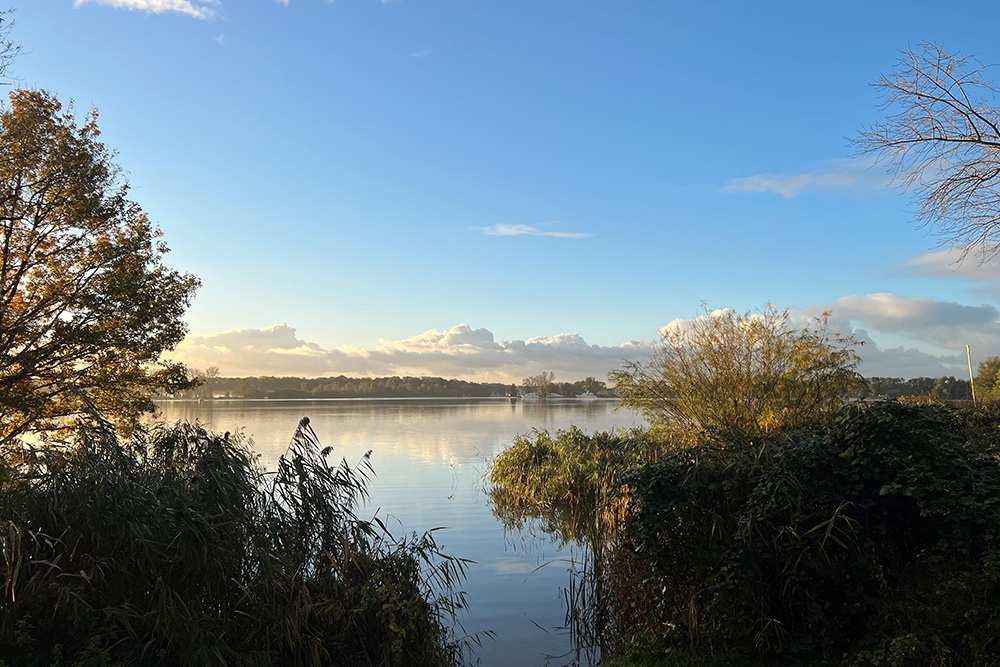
x,y
460,351
901,336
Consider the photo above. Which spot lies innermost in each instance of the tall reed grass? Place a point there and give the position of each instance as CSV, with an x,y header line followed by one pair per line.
x,y
175,547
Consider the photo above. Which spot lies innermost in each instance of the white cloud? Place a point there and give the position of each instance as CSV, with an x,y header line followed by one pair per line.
x,y
527,230
956,263
199,9
903,336
684,327
422,53
902,361
928,336
899,336
460,351
839,175
221,40
890,312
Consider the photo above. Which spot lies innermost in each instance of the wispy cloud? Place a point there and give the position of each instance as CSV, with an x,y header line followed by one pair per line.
x,y
199,9
955,263
839,175
221,40
422,53
528,230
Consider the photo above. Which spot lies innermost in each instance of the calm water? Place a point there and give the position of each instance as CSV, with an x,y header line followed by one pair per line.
x,y
430,457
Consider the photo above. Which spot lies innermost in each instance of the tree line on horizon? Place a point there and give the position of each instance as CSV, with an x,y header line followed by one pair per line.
x,y
211,385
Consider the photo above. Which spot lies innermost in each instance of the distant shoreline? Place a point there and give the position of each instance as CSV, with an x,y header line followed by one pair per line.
x,y
223,399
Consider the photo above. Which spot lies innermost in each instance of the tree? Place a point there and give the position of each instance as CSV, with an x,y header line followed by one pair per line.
x,y
245,387
87,306
756,372
987,381
8,49
950,388
539,383
203,381
941,138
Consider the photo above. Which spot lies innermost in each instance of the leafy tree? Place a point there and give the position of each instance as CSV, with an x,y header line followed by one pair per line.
x,y
86,304
987,379
755,372
540,383
950,388
941,137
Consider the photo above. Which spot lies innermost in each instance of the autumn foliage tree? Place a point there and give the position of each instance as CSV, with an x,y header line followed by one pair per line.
x,y
753,371
87,306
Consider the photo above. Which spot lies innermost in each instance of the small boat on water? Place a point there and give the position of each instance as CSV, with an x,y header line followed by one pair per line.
x,y
533,396
587,396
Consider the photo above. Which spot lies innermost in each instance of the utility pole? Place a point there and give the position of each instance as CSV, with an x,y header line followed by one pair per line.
x,y
972,385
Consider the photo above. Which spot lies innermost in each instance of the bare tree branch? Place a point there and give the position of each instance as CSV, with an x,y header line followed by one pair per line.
x,y
941,140
8,49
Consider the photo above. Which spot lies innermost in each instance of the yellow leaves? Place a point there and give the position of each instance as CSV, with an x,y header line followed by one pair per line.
x,y
755,371
86,304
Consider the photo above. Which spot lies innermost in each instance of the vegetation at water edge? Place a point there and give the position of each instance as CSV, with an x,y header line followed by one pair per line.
x,y
175,548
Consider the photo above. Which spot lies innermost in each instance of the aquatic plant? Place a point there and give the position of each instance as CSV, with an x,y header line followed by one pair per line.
x,y
175,548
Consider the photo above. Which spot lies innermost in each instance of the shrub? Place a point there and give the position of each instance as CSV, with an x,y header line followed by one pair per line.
x,y
872,540
756,372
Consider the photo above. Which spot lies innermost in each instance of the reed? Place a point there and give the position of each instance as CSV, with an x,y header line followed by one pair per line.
x,y
175,547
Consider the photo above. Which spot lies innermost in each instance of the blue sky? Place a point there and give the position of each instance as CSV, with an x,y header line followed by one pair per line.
x,y
354,180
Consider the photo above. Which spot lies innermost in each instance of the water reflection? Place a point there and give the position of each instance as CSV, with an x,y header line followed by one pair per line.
x,y
580,533
430,456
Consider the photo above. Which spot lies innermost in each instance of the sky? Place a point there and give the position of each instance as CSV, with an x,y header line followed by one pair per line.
x,y
486,190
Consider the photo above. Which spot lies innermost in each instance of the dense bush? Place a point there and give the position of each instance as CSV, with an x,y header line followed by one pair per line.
x,y
175,548
566,478
872,540
570,467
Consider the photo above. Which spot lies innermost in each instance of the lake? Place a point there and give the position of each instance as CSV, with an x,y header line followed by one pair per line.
x,y
430,457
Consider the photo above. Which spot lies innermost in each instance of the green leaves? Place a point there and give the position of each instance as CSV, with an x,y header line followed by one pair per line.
x,y
880,525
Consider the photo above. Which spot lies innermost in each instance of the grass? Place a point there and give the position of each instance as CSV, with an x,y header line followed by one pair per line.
x,y
175,548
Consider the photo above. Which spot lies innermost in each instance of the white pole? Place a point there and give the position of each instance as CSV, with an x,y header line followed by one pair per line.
x,y
972,384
